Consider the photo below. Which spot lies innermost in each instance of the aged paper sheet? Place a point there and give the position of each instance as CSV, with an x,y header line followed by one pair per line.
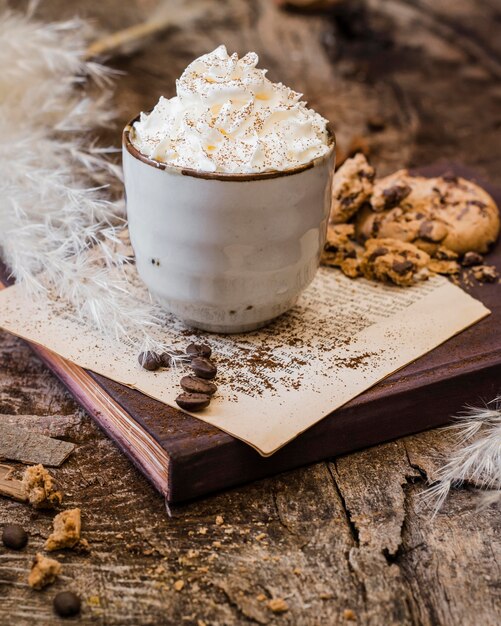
x,y
342,337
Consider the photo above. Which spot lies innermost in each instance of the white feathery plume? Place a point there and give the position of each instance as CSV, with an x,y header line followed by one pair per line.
x,y
476,459
56,200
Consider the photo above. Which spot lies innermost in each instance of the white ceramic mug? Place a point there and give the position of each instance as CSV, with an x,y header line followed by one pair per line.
x,y
226,252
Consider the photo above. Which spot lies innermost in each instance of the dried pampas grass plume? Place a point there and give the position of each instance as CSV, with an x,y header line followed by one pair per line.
x,y
477,458
55,190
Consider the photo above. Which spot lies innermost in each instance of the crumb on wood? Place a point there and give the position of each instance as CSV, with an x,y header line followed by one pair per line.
x,y
278,605
349,615
219,520
41,488
44,571
178,585
67,527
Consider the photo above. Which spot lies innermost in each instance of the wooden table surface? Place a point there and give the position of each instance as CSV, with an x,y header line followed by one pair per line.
x,y
345,541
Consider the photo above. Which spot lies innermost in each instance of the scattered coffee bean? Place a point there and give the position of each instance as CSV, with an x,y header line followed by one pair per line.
x,y
193,384
149,360
14,537
204,368
193,401
167,358
472,258
199,349
67,604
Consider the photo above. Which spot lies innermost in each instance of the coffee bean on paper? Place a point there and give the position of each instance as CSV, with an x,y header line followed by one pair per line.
x,y
199,349
193,401
204,368
193,384
67,604
149,360
14,537
167,358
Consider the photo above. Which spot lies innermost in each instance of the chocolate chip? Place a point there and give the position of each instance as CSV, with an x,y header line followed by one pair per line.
x,y
472,258
149,360
393,196
67,604
377,252
204,368
193,384
402,267
193,401
376,225
14,536
449,177
199,349
350,254
432,231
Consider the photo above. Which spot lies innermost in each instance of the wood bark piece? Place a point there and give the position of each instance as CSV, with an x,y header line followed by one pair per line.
x,y
17,444
10,486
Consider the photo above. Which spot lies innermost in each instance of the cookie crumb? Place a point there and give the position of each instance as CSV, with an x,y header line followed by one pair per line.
x,y
443,267
44,571
278,605
260,597
67,526
349,615
485,273
41,488
219,520
178,585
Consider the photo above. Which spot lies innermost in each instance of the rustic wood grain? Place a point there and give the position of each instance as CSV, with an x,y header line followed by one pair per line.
x,y
339,540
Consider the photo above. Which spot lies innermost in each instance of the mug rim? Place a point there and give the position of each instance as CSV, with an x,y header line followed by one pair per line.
x,y
187,171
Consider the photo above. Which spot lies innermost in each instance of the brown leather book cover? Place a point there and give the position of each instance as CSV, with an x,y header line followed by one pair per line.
x,y
185,458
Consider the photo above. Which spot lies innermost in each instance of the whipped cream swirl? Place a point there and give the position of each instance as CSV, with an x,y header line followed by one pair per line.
x,y
228,117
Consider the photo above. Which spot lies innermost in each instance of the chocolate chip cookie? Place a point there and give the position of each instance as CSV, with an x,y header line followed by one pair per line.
x,y
351,187
394,261
448,212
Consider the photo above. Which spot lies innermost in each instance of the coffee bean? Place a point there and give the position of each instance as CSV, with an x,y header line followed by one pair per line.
x,y
14,537
193,384
149,360
193,401
204,368
199,349
166,358
402,267
67,604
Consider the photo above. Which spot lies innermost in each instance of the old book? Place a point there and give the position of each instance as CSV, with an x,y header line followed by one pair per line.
x,y
185,457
